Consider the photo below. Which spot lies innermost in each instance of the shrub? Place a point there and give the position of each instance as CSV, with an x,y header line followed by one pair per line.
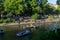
x,y
35,16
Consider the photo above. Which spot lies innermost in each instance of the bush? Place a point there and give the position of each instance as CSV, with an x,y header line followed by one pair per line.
x,y
1,20
6,20
12,20
35,16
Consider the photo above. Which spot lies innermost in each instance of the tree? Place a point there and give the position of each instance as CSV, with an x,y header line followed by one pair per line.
x,y
13,6
35,16
42,5
1,7
48,9
27,7
31,7
20,6
58,10
58,2
38,7
35,7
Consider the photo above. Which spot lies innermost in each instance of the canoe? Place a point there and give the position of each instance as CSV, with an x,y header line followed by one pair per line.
x,y
23,33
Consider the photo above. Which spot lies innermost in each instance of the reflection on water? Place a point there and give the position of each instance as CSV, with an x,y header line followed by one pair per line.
x,y
1,37
28,37
37,34
12,36
54,26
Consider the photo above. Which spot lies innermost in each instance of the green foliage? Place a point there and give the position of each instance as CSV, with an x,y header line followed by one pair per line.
x,y
8,20
19,6
33,3
38,9
35,16
48,9
13,6
1,7
1,20
43,2
27,7
58,10
43,34
35,7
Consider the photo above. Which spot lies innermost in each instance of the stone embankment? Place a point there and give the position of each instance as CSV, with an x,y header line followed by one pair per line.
x,y
31,22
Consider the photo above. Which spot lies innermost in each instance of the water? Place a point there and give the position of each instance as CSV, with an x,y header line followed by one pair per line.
x,y
12,36
37,34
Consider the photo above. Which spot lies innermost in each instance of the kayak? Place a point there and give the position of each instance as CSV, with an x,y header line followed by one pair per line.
x,y
1,32
24,33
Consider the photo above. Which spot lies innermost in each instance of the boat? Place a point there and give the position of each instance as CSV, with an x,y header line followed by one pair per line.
x,y
1,31
23,33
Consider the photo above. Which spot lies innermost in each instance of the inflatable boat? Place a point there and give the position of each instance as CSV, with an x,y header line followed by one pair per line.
x,y
23,33
1,31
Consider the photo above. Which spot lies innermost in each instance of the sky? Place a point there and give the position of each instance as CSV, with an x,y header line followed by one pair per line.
x,y
52,1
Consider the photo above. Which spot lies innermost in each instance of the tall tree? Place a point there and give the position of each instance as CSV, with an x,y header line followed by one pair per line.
x,y
1,7
13,6
35,7
43,4
49,9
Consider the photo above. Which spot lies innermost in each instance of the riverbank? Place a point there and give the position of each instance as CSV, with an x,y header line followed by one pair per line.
x,y
48,20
